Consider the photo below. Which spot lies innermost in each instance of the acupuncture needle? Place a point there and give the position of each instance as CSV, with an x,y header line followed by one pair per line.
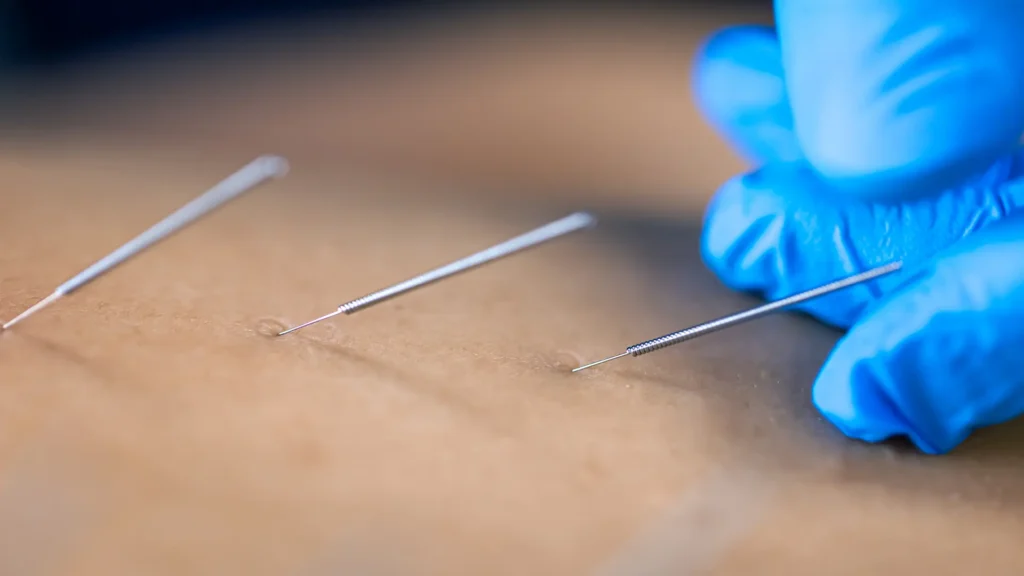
x,y
248,177
561,227
747,315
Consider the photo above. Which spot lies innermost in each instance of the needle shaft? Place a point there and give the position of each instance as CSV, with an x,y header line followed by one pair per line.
x,y
592,364
561,227
250,176
748,315
310,323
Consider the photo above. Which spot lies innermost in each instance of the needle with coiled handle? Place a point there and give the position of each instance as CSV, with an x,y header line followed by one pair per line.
x,y
747,315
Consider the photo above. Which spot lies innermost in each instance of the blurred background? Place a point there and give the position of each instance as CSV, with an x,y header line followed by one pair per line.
x,y
53,29
515,99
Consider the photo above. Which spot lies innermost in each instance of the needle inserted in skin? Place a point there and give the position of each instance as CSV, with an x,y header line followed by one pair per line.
x,y
747,315
592,364
253,174
571,223
311,322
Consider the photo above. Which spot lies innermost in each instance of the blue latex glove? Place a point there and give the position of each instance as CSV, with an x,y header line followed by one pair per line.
x,y
883,130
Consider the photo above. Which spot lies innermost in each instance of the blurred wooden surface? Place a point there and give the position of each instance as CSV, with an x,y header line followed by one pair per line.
x,y
150,425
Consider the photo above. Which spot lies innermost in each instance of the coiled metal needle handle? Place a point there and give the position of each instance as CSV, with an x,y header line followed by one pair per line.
x,y
748,315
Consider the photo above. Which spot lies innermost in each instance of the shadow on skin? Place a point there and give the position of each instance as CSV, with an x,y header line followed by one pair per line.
x,y
416,383
758,378
69,356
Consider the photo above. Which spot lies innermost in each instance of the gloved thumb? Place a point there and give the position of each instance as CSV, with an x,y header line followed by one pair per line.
x,y
739,87
900,98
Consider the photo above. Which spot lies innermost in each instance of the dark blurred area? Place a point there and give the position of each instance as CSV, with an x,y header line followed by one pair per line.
x,y
44,31
41,31
566,101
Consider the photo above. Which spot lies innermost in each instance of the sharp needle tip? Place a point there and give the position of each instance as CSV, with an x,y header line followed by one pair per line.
x,y
592,364
310,323
35,308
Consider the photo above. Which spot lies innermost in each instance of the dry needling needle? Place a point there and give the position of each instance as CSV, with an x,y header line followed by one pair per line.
x,y
747,315
561,227
250,176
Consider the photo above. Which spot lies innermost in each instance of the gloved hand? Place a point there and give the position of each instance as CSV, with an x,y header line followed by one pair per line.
x,y
883,130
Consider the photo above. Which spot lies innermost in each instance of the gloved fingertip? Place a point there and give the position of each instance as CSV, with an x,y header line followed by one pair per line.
x,y
739,87
859,407
848,398
936,360
859,388
741,231
897,99
733,55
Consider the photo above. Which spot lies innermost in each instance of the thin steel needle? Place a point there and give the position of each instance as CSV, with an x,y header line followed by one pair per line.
x,y
561,227
592,364
250,176
747,315
310,323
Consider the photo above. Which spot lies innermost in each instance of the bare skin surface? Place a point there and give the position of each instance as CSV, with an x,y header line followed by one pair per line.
x,y
151,424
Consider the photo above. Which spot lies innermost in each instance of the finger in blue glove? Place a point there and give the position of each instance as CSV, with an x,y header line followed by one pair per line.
x,y
934,351
740,88
886,99
941,357
891,100
902,98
